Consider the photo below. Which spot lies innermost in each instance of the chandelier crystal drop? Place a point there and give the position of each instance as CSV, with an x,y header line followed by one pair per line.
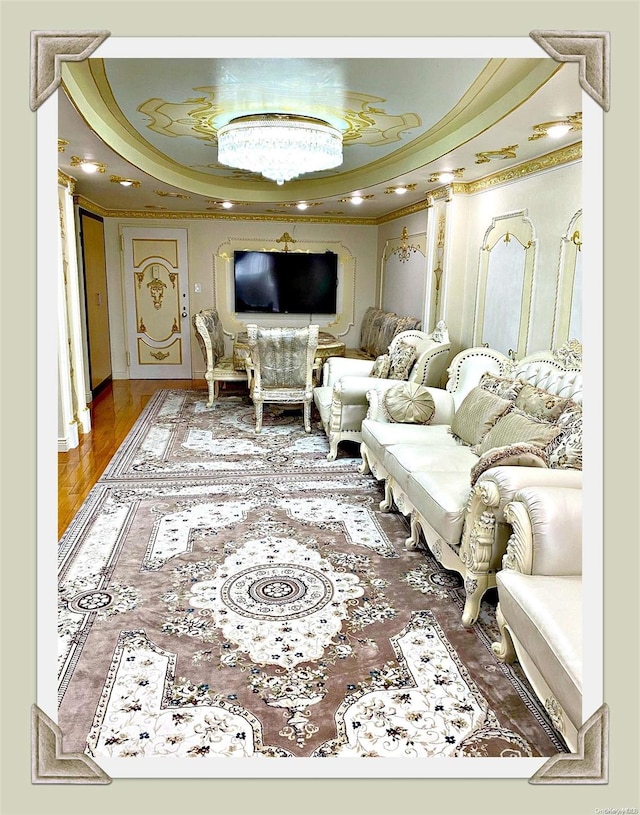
x,y
279,146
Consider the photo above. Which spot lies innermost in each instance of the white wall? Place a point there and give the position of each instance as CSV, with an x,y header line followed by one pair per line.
x,y
550,200
205,239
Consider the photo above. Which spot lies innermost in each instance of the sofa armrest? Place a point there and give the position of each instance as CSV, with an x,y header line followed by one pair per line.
x,y
547,531
486,531
499,485
444,404
336,367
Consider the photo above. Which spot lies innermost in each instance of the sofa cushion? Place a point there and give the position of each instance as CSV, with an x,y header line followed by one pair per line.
x,y
401,360
409,403
565,451
377,435
381,366
477,414
517,427
544,614
515,455
501,385
539,403
403,461
441,498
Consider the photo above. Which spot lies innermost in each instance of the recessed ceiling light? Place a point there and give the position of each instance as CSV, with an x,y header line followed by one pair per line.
x,y
302,205
400,190
557,131
89,167
126,182
356,199
227,204
446,177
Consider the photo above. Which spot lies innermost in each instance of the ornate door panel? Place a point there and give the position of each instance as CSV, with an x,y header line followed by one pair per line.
x,y
157,291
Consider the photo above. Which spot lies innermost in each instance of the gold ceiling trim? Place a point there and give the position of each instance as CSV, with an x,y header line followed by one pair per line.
x,y
564,155
500,88
362,119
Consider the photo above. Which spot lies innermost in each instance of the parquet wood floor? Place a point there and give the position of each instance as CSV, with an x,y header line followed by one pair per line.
x,y
113,413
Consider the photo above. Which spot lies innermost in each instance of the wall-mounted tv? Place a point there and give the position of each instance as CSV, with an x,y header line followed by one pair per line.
x,y
285,282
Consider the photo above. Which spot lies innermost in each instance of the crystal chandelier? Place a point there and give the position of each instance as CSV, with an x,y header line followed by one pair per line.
x,y
279,146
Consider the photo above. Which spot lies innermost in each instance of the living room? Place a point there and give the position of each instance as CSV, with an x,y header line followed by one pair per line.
x,y
496,256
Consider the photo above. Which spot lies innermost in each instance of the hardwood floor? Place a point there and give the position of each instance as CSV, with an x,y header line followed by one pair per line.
x,y
113,413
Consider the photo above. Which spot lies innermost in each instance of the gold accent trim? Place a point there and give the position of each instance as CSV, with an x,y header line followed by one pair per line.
x,y
455,173
118,179
62,143
172,194
50,765
286,239
589,764
76,161
159,355
66,181
406,249
407,187
156,290
576,239
502,153
590,49
574,122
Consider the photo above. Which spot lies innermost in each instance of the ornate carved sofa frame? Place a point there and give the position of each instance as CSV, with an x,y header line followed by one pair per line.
x,y
427,474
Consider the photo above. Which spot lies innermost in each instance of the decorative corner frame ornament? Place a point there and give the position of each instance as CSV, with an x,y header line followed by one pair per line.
x,y
48,50
590,49
50,765
590,764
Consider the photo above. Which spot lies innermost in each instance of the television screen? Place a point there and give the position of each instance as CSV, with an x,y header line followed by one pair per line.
x,y
285,282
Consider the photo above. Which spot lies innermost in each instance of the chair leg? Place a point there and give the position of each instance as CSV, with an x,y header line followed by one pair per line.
x,y
258,406
216,390
307,416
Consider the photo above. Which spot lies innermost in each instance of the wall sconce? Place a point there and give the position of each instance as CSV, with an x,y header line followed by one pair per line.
x,y
87,165
558,128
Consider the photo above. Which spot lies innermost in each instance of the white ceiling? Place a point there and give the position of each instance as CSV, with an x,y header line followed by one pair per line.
x,y
155,121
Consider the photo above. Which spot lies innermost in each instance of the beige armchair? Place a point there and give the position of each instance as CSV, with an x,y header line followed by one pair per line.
x,y
540,600
341,399
219,368
280,368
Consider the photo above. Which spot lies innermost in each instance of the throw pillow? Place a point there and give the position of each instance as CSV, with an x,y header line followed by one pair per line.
x,y
381,367
409,403
517,427
500,385
539,403
515,455
565,451
477,414
401,359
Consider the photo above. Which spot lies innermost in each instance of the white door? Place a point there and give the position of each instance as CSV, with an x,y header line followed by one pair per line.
x,y
157,295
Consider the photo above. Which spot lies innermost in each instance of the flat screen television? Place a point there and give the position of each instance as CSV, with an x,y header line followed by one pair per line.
x,y
285,282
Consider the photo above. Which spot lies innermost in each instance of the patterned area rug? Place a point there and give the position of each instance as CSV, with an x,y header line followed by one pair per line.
x,y
227,594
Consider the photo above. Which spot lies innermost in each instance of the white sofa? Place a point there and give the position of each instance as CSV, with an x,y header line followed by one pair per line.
x,y
540,600
341,399
454,492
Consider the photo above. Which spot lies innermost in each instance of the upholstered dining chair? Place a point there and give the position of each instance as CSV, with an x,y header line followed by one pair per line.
x,y
210,336
280,368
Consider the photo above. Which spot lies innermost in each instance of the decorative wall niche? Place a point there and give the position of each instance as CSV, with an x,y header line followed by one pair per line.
x,y
567,316
223,299
505,285
402,274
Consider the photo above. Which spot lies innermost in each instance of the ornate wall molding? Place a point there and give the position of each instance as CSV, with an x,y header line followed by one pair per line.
x,y
590,49
48,50
50,765
590,764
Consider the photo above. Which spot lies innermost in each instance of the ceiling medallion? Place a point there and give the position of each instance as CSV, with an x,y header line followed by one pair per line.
x,y
279,146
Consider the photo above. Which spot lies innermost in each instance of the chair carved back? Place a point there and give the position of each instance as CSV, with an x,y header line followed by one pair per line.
x,y
210,336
